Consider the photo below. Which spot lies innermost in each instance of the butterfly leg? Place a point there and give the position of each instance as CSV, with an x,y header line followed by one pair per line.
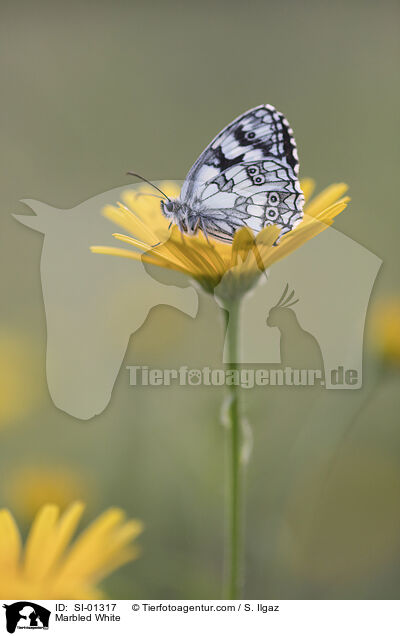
x,y
203,229
182,229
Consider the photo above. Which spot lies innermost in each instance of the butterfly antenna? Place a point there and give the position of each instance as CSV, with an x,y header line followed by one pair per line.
x,y
134,174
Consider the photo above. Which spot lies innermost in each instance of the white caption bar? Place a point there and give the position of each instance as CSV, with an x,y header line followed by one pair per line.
x,y
274,618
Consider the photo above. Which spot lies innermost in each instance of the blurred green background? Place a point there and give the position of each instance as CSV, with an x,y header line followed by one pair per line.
x,y
91,89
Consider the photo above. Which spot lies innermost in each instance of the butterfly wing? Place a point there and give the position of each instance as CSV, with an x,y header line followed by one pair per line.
x,y
247,176
255,194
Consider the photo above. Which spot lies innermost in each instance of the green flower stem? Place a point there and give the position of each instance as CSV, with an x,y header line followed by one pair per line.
x,y
234,525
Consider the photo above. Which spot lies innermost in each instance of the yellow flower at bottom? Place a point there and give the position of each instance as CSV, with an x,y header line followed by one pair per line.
x,y
49,567
209,260
30,487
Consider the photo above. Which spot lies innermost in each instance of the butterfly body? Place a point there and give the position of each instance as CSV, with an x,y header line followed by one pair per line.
x,y
185,217
247,176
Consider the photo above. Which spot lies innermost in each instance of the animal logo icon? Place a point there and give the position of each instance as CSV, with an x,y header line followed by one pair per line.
x,y
26,615
93,304
194,377
329,318
299,349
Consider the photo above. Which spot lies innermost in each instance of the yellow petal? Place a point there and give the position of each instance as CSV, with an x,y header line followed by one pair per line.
x,y
10,542
132,223
115,251
117,550
39,539
159,250
194,256
268,236
265,245
308,187
243,242
121,558
325,198
87,550
62,536
296,239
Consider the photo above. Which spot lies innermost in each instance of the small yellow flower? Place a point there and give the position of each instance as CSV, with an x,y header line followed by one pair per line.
x,y
385,330
208,261
48,567
30,487
21,390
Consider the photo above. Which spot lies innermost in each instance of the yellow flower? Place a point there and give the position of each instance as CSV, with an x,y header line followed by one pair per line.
x,y
208,261
48,567
30,487
385,330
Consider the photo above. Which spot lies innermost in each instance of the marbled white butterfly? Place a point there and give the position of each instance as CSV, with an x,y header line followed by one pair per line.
x,y
247,176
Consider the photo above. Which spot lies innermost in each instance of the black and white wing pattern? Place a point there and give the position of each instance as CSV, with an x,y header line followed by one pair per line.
x,y
246,176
